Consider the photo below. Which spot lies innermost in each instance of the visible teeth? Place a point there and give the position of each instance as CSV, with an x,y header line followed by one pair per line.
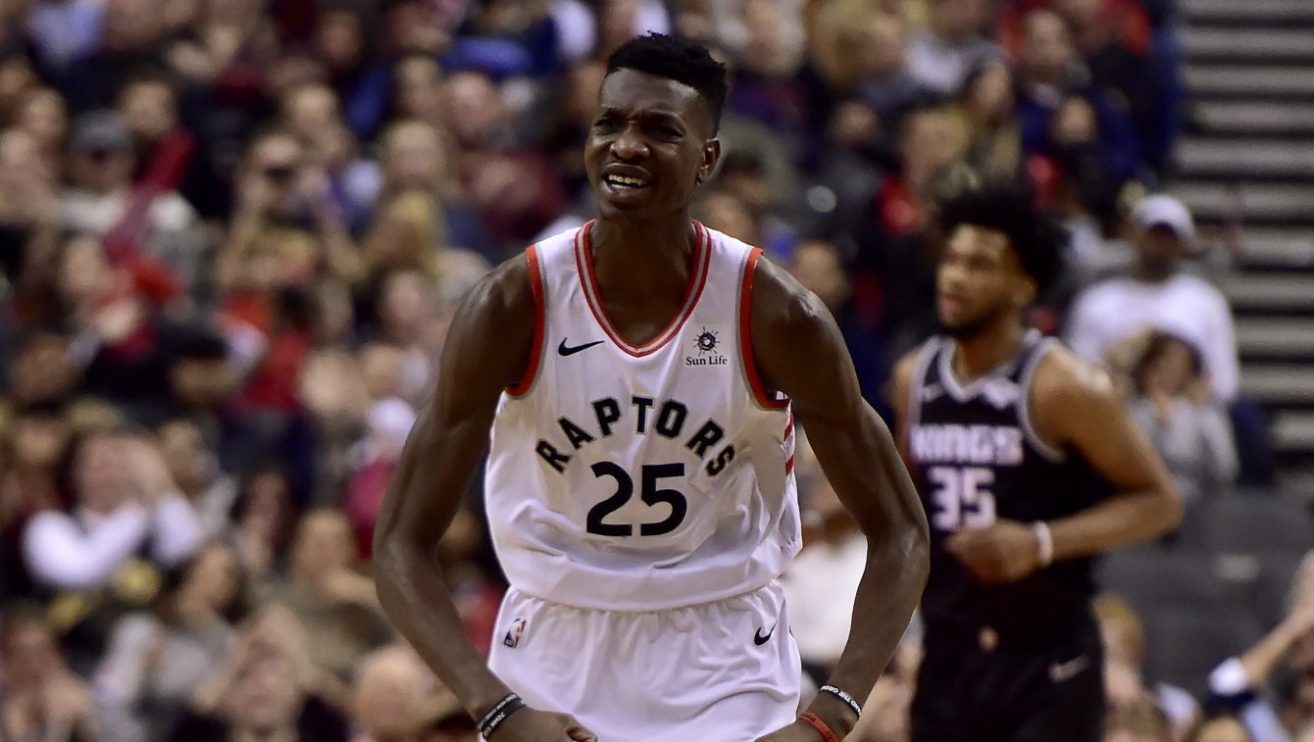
x,y
625,181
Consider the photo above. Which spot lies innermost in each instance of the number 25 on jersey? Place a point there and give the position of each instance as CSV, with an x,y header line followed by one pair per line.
x,y
961,497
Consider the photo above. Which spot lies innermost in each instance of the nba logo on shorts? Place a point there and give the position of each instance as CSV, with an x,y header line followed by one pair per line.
x,y
512,638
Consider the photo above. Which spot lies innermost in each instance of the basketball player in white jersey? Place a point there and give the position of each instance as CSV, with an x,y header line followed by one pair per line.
x,y
639,377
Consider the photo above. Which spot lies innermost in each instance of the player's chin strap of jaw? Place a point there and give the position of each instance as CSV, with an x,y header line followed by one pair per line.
x,y
499,713
821,726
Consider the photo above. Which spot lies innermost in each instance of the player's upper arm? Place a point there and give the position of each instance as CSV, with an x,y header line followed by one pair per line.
x,y
491,346
1076,408
798,347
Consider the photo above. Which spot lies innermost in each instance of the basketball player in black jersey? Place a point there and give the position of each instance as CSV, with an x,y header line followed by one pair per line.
x,y
1028,466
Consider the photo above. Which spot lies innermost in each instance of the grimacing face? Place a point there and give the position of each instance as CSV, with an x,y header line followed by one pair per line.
x,y
979,278
651,144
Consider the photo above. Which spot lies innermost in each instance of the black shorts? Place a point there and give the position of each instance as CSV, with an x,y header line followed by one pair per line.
x,y
977,687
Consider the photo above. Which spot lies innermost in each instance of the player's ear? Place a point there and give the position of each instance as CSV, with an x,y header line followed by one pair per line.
x,y
711,156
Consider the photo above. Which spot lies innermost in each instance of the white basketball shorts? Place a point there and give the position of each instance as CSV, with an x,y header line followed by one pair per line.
x,y
726,671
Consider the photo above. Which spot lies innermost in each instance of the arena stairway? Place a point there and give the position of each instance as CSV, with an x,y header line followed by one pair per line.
x,y
1247,158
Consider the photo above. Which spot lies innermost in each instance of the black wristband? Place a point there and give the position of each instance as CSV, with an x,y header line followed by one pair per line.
x,y
849,700
499,713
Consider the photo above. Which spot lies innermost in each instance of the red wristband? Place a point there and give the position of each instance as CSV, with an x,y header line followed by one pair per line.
x,y
822,727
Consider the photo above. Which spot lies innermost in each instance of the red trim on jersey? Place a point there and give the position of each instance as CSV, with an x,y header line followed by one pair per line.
x,y
693,290
746,337
540,325
789,426
789,465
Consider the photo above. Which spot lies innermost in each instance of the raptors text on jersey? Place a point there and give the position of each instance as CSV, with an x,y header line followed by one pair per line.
x,y
648,477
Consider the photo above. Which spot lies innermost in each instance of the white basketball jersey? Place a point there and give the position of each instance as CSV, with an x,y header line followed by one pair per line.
x,y
642,478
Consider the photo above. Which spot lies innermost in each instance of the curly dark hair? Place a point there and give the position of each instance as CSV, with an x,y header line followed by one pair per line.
x,y
684,61
1007,207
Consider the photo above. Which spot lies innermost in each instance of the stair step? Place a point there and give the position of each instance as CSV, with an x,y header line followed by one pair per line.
x,y
1246,158
1254,117
1248,11
1274,337
1263,201
1252,81
1293,431
1280,292
1287,383
1248,45
1278,248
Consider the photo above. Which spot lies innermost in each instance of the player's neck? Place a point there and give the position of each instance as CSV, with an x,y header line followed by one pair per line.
x,y
985,351
638,258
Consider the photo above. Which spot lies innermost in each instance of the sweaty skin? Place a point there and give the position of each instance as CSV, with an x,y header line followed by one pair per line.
x,y
659,132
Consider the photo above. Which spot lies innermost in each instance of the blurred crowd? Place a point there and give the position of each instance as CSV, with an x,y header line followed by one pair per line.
x,y
233,234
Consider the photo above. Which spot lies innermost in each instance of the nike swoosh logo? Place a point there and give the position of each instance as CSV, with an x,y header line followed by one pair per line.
x,y
566,350
759,640
1061,672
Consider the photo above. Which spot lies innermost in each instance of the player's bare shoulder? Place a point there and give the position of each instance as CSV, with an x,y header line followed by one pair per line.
x,y
1067,389
504,305
783,310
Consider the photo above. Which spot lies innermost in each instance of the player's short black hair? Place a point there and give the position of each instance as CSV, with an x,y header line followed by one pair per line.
x,y
681,60
1006,207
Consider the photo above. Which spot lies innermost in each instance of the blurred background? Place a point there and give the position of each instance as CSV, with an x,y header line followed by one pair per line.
x,y
233,234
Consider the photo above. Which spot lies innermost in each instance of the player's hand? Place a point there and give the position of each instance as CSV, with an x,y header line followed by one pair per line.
x,y
1004,552
799,731
531,725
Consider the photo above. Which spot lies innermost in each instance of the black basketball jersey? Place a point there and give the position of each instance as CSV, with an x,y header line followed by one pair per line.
x,y
978,459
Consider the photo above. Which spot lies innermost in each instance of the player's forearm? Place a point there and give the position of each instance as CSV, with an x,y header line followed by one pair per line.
x,y
898,563
889,592
424,499
1121,521
415,596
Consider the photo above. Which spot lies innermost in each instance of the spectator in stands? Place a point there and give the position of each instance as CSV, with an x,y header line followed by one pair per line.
x,y
200,477
127,525
158,659
1125,682
44,115
389,421
1137,721
263,523
1159,294
41,699
284,205
29,213
818,266
952,45
886,85
1223,727
1188,426
333,601
1114,40
265,688
1240,684
1050,75
986,106
102,200
392,695
515,189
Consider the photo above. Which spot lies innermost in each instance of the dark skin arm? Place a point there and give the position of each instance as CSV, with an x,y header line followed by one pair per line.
x,y
427,488
1076,409
799,351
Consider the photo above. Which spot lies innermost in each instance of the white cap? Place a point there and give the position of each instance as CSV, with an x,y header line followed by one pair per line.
x,y
1162,210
